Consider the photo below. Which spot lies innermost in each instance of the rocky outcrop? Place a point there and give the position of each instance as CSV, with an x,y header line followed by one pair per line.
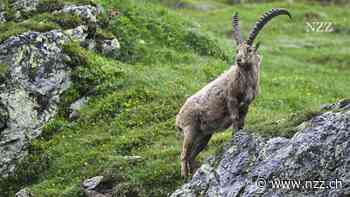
x,y
24,6
314,162
87,13
37,75
24,193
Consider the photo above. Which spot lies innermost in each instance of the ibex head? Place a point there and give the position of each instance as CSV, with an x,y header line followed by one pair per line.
x,y
247,53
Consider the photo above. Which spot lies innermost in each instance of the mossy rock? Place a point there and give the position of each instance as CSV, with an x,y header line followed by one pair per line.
x,y
50,5
66,20
102,34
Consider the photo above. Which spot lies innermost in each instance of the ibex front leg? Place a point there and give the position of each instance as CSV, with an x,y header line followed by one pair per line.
x,y
242,114
233,108
190,134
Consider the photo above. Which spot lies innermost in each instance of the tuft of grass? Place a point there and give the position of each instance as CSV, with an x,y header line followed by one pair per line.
x,y
66,20
286,127
102,34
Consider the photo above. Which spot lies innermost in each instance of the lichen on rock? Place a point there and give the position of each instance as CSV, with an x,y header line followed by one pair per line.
x,y
37,76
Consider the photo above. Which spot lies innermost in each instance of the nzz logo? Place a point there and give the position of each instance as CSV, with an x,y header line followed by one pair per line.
x,y
319,27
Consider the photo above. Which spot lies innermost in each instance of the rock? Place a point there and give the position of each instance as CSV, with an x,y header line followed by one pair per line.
x,y
37,76
79,33
4,116
24,5
251,166
75,107
23,8
92,183
341,105
24,193
110,47
90,193
87,13
97,187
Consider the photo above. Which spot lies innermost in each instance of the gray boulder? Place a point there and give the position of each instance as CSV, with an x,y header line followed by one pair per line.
x,y
24,5
75,107
92,183
86,12
109,47
24,193
97,187
36,78
314,162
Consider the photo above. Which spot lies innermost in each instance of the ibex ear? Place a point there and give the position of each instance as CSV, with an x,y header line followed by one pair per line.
x,y
257,46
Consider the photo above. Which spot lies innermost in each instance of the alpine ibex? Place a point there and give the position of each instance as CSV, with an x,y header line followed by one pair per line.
x,y
223,102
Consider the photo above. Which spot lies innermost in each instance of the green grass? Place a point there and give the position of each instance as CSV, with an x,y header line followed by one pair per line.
x,y
3,72
168,54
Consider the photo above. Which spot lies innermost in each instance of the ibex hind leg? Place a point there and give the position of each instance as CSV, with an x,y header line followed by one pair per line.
x,y
190,134
200,143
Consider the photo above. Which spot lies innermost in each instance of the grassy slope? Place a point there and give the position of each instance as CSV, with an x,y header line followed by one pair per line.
x,y
133,109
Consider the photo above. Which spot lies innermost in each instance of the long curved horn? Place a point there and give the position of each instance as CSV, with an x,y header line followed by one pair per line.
x,y
265,18
237,35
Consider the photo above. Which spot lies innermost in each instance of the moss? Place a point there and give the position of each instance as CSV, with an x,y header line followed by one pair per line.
x,y
3,72
41,22
9,13
102,34
66,20
50,5
10,29
39,26
104,19
35,24
78,56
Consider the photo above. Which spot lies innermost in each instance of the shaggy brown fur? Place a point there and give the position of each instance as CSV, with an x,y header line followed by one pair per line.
x,y
224,102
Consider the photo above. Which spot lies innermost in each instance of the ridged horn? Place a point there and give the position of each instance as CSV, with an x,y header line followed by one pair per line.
x,y
264,19
237,35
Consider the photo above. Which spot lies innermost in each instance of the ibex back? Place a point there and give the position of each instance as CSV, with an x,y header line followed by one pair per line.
x,y
223,102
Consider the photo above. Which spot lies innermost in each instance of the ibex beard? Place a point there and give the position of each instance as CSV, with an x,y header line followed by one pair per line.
x,y
224,102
